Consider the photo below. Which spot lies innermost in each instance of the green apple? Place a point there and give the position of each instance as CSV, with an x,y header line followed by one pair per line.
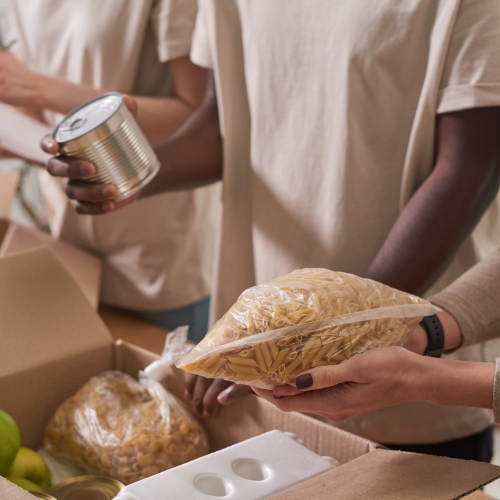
x,y
10,441
29,465
24,483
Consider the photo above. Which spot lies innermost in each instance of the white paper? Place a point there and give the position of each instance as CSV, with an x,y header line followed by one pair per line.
x,y
21,135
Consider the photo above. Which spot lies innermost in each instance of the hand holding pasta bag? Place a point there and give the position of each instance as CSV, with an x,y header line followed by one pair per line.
x,y
308,318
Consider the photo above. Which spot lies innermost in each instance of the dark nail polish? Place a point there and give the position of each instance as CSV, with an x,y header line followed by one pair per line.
x,y
278,397
304,381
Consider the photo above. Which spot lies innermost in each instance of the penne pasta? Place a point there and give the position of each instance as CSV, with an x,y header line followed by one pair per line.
x,y
301,321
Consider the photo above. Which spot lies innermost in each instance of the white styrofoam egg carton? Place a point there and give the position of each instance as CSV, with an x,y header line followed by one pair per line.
x,y
256,469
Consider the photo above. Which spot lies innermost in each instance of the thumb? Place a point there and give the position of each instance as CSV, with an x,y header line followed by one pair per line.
x,y
131,104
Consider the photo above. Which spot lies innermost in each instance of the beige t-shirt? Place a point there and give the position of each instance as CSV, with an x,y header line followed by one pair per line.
x,y
157,252
327,112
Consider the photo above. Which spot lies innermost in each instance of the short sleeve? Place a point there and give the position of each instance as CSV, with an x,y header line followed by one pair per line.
x,y
471,76
200,51
173,24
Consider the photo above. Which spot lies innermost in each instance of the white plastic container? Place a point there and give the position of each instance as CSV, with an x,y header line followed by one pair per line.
x,y
256,469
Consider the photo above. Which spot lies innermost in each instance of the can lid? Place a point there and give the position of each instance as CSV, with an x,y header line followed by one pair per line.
x,y
87,117
45,496
87,488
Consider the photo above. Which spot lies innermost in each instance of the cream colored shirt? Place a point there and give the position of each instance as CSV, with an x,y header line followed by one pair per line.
x,y
157,252
328,111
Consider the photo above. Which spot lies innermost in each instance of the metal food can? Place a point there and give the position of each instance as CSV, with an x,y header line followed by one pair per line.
x,y
104,132
87,488
45,496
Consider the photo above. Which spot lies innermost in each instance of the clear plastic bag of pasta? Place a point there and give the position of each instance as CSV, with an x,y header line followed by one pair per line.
x,y
308,318
125,429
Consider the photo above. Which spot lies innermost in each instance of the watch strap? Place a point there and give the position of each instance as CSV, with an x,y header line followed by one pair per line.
x,y
435,336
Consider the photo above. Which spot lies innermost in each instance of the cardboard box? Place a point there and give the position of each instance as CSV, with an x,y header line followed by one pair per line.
x,y
52,341
85,268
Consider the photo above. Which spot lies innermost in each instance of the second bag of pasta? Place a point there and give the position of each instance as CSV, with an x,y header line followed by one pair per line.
x,y
307,318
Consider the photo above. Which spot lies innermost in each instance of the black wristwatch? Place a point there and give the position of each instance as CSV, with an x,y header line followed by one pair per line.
x,y
435,336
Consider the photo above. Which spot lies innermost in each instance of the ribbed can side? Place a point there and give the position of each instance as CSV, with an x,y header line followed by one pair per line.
x,y
124,159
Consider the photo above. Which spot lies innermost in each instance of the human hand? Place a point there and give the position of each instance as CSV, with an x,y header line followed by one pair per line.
x,y
207,394
18,85
369,381
91,199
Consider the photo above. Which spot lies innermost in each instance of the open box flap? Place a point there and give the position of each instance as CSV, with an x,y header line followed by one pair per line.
x,y
85,268
48,331
9,491
393,475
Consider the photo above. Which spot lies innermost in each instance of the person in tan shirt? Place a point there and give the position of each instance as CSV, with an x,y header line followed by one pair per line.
x,y
357,136
393,375
67,53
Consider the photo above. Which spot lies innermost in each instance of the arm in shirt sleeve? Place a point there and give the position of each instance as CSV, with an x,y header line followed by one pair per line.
x,y
474,301
447,206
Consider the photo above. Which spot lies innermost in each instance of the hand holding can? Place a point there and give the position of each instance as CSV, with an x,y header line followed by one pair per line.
x,y
102,154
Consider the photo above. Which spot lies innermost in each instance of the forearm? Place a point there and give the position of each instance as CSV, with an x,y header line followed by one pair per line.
x,y
430,230
158,117
447,206
455,383
192,157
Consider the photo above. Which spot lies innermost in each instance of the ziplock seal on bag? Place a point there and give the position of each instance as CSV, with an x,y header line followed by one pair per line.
x,y
127,429
308,318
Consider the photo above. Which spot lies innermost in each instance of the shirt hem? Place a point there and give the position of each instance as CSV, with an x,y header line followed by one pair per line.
x,y
459,97
167,51
168,303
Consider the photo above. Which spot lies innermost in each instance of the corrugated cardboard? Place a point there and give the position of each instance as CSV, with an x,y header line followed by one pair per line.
x,y
52,342
85,268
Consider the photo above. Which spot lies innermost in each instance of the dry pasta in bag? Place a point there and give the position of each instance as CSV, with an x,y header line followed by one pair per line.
x,y
308,318
126,429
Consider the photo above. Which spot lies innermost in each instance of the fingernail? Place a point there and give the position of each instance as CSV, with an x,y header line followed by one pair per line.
x,y
304,381
109,191
187,396
206,414
278,397
50,143
85,169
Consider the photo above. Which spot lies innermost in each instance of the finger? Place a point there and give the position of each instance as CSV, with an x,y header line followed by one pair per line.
x,y
61,166
94,193
190,381
267,395
93,208
49,145
200,388
320,377
286,390
233,393
210,400
131,104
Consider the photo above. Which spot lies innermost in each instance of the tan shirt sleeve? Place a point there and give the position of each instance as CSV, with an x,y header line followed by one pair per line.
x,y
471,76
474,301
173,25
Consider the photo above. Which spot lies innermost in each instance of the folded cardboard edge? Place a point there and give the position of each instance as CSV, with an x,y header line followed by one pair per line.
x,y
84,267
393,475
